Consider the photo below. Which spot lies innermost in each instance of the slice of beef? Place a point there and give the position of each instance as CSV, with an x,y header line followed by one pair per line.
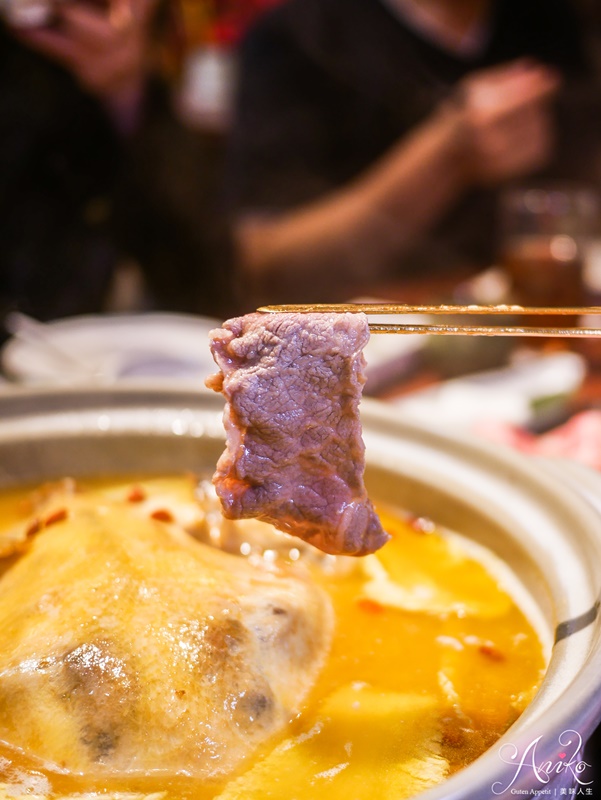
x,y
294,455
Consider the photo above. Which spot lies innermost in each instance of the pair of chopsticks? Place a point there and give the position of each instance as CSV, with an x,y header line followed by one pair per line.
x,y
453,329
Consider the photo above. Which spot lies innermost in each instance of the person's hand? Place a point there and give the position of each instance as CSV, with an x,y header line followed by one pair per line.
x,y
104,47
506,120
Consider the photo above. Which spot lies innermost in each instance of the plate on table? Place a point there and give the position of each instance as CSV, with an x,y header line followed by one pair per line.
x,y
106,348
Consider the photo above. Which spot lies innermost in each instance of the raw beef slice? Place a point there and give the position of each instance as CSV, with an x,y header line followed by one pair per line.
x,y
294,455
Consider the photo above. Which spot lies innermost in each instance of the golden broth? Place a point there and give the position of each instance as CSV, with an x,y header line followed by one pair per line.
x,y
431,661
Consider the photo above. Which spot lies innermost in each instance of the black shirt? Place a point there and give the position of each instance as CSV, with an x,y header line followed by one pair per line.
x,y
329,86
76,199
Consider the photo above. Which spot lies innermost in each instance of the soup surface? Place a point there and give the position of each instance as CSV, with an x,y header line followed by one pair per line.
x,y
149,647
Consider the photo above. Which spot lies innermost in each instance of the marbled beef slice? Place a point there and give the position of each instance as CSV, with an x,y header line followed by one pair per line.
x,y
294,455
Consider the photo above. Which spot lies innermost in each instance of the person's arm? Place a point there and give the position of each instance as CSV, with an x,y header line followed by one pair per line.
x,y
498,127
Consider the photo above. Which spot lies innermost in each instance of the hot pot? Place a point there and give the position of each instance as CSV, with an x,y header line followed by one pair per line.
x,y
539,518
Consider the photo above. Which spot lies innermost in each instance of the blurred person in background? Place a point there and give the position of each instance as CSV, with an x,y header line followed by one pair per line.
x,y
97,174
371,137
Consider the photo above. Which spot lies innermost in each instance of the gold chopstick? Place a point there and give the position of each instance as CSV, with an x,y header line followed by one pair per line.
x,y
401,308
453,329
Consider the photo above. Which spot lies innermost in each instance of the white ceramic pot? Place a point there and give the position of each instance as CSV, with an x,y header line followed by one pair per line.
x,y
535,516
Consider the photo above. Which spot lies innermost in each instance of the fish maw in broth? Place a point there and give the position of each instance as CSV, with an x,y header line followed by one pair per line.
x,y
365,744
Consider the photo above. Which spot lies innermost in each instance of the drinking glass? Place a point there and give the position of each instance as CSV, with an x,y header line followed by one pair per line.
x,y
545,232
